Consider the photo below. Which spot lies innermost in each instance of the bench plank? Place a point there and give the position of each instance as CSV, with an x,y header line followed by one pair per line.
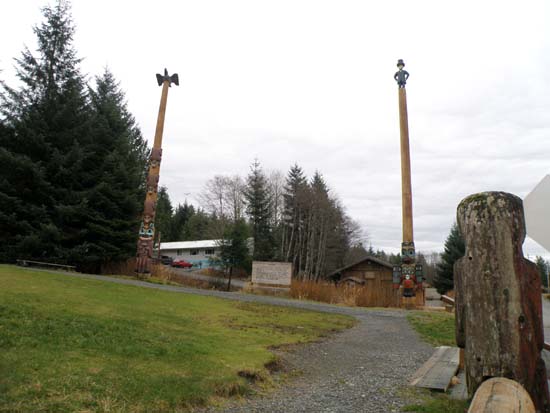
x,y
30,263
437,372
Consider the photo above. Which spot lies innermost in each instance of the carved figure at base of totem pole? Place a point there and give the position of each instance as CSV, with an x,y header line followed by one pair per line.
x,y
409,274
498,297
146,234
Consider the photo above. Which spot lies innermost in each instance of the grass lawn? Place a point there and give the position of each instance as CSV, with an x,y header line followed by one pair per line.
x,y
76,345
437,328
430,402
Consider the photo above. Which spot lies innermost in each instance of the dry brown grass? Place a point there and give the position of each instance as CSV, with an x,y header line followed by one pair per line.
x,y
212,272
343,294
360,296
161,274
127,268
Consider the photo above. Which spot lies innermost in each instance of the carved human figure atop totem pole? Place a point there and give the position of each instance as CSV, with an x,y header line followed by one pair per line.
x,y
147,228
498,297
408,275
401,75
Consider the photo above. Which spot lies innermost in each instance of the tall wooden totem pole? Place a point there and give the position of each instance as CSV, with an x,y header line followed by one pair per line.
x,y
147,228
409,274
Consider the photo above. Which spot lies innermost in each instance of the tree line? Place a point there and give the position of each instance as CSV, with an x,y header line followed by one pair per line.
x,y
73,158
290,218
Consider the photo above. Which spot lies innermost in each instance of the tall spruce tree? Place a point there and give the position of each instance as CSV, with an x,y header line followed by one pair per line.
x,y
21,183
113,173
197,226
76,157
259,212
181,217
294,198
163,216
318,227
454,249
234,252
49,118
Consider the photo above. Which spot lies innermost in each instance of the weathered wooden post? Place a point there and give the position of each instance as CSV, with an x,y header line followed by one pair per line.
x,y
498,297
147,228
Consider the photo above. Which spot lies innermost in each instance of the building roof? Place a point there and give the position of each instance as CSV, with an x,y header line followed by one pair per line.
x,y
367,258
356,280
183,245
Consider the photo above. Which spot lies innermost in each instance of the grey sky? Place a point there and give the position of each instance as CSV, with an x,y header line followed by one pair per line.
x,y
311,82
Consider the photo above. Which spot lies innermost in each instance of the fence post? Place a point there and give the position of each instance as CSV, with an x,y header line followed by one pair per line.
x,y
498,297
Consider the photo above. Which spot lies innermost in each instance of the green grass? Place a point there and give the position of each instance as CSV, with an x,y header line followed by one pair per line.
x,y
429,402
69,344
437,328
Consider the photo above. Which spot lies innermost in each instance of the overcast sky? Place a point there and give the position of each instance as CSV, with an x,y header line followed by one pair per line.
x,y
312,82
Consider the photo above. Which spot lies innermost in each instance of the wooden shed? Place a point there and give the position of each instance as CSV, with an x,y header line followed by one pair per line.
x,y
376,276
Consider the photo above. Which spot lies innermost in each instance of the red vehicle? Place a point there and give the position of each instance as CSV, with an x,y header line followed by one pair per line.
x,y
181,264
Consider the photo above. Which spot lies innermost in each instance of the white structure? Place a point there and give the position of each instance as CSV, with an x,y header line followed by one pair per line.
x,y
537,206
197,253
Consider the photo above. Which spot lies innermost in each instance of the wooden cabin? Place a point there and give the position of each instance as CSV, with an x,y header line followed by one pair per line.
x,y
376,276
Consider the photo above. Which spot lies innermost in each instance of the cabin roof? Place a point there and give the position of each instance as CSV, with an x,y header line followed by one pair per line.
x,y
367,258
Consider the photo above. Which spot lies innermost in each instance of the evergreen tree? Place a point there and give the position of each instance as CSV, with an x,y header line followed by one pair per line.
x,y
163,216
544,270
113,176
77,159
319,229
338,238
234,252
21,218
454,249
49,118
197,227
181,217
294,197
259,211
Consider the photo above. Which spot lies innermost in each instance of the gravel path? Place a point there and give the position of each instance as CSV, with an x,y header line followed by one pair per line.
x,y
358,370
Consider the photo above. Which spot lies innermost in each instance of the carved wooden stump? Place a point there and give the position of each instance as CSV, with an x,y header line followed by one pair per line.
x,y
498,297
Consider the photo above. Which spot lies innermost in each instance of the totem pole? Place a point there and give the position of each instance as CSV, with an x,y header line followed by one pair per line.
x,y
147,228
408,274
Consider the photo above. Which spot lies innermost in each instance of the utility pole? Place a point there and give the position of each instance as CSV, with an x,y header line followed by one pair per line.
x,y
408,274
147,228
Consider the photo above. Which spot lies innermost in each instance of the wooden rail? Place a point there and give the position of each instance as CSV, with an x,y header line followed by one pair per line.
x,y
449,300
29,263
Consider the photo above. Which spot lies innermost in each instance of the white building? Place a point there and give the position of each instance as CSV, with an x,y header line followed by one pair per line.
x,y
197,253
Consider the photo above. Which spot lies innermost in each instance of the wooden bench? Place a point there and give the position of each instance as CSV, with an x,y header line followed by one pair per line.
x,y
29,263
438,371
